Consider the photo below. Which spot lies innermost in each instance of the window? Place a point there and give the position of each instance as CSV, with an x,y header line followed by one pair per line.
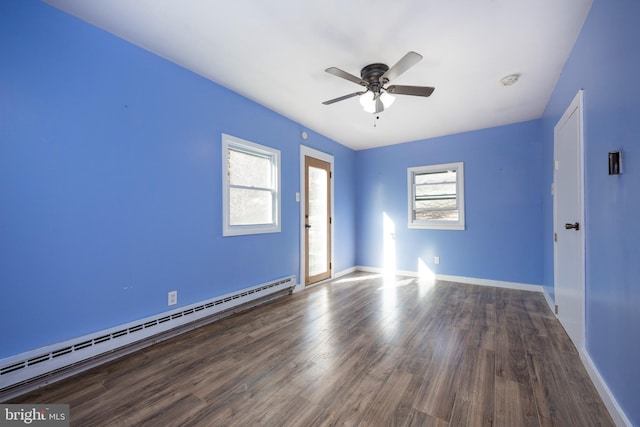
x,y
436,196
251,187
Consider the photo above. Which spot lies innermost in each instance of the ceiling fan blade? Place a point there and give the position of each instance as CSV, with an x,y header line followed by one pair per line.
x,y
342,98
343,74
411,90
406,62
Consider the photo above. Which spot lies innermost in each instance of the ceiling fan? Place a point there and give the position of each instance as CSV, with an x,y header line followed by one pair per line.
x,y
374,77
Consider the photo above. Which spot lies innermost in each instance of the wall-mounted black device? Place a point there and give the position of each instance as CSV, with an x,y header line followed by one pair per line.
x,y
615,163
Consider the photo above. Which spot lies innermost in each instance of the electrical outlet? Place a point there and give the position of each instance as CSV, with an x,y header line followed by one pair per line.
x,y
172,298
436,260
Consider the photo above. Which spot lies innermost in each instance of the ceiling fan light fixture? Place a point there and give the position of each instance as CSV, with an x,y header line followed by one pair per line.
x,y
387,99
371,108
368,102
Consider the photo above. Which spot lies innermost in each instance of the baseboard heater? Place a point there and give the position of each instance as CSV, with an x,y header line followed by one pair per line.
x,y
36,368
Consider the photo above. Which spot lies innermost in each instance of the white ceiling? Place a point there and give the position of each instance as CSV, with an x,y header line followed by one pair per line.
x,y
275,53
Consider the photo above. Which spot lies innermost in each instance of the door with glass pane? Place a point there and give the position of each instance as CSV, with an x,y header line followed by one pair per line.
x,y
317,220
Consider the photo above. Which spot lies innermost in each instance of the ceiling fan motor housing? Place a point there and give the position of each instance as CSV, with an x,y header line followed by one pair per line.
x,y
372,73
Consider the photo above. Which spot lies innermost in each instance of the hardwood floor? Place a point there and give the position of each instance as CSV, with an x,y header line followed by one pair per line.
x,y
360,350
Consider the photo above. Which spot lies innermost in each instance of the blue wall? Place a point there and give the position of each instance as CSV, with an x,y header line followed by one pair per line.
x,y
110,182
503,236
605,62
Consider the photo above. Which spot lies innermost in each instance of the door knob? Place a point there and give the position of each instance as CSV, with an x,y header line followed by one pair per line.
x,y
307,226
575,226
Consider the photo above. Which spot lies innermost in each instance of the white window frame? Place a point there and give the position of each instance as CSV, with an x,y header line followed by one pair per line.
x,y
436,224
233,143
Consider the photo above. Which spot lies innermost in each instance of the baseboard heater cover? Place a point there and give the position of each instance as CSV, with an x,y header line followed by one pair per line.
x,y
36,363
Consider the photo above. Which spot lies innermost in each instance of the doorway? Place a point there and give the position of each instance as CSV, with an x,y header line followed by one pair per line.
x,y
568,210
316,216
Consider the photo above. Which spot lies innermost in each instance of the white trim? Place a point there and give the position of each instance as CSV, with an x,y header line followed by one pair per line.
x,y
576,104
550,303
436,224
325,157
490,282
345,272
461,279
232,142
301,287
379,270
616,412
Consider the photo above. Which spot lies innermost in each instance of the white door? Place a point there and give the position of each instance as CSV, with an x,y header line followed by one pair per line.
x,y
568,222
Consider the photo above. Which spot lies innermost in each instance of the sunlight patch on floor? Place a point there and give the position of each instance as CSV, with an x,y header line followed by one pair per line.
x,y
357,278
393,283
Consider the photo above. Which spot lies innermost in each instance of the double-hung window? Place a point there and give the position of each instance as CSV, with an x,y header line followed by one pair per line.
x,y
436,196
251,187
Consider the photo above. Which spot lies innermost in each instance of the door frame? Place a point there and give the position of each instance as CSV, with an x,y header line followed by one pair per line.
x,y
576,104
321,155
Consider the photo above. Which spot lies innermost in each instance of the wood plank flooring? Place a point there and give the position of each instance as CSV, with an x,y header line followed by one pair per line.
x,y
361,350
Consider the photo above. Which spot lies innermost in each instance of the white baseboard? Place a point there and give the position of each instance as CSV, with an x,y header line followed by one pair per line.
x,y
301,287
551,304
378,270
344,272
490,282
616,412
462,279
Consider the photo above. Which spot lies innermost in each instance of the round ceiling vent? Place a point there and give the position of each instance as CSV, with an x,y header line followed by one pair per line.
x,y
510,79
